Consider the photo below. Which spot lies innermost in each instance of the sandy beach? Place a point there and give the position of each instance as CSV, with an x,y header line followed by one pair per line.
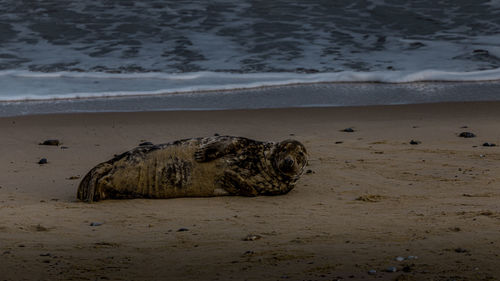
x,y
368,198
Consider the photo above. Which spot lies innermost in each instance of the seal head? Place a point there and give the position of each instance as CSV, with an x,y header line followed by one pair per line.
x,y
289,159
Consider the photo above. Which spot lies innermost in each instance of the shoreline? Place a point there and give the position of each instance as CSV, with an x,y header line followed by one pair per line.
x,y
370,197
292,96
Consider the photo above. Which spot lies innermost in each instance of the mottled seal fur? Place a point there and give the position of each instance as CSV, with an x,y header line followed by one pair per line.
x,y
198,167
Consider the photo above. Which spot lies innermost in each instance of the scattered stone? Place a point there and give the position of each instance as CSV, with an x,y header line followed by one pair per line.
x,y
464,127
339,142
369,198
95,223
467,135
45,255
310,172
372,272
182,229
252,237
406,268
74,178
216,135
461,250
145,143
489,144
43,161
41,228
64,147
50,142
399,259
348,130
412,257
414,142
391,269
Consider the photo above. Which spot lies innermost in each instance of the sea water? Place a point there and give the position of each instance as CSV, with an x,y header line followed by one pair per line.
x,y
117,48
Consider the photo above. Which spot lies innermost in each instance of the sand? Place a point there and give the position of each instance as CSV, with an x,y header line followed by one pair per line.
x,y
369,197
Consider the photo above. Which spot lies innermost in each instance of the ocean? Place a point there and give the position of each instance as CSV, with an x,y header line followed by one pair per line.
x,y
112,55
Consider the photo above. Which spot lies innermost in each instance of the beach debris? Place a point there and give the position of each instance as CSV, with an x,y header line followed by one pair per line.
x,y
145,143
182,229
95,223
391,269
41,228
415,142
467,135
370,198
55,142
489,144
399,258
372,272
252,237
43,161
348,130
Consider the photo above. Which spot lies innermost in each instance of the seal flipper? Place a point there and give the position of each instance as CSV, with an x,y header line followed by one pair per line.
x,y
234,184
213,150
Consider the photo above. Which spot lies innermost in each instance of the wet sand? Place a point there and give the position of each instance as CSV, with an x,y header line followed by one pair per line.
x,y
369,197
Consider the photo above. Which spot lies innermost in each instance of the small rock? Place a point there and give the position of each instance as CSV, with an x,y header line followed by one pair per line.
x,y
464,127
310,172
391,269
252,237
489,144
145,143
467,135
399,259
372,272
348,130
74,178
45,255
414,142
216,135
95,223
461,250
64,147
339,142
406,268
43,161
182,229
50,142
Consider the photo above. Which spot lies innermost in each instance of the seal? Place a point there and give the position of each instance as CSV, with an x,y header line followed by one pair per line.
x,y
198,167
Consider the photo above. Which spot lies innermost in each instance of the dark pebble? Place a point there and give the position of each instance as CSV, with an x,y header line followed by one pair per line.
x,y
489,144
461,250
348,130
406,268
43,161
145,143
414,142
50,142
45,255
64,147
310,172
216,135
182,229
95,223
339,142
467,135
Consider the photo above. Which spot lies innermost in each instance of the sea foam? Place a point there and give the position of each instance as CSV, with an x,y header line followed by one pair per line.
x,y
28,85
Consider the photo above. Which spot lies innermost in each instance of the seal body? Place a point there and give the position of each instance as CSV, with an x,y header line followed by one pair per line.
x,y
198,167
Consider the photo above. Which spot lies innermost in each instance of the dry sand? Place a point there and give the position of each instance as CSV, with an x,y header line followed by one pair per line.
x,y
370,197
